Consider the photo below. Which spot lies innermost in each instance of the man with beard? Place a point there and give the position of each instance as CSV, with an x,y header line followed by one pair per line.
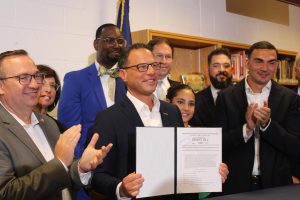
x,y
220,75
94,88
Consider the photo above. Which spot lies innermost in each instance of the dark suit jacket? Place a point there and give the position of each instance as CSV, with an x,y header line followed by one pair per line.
x,y
204,115
296,165
295,89
279,144
117,125
173,83
24,173
81,98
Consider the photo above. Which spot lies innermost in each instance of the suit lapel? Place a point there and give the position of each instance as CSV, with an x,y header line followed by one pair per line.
x,y
210,104
97,86
52,137
165,115
131,113
134,120
240,94
275,96
15,128
120,90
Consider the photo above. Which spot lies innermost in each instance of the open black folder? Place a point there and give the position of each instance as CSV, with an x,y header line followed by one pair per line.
x,y
178,160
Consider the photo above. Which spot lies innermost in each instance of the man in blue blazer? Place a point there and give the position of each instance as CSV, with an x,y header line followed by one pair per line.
x,y
117,125
93,89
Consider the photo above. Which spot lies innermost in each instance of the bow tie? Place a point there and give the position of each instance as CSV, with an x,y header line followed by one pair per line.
x,y
114,73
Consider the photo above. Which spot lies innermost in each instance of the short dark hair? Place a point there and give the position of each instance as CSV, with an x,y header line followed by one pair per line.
x,y
261,45
160,40
100,29
125,53
218,51
173,91
50,73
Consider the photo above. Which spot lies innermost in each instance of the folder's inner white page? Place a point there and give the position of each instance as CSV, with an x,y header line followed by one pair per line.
x,y
155,160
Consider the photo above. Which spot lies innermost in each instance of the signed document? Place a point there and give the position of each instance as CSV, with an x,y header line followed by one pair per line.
x,y
199,154
182,160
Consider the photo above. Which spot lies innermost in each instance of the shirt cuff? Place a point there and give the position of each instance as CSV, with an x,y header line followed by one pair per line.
x,y
263,129
118,193
84,177
246,137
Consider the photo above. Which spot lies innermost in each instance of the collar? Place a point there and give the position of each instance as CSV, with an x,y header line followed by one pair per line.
x,y
98,66
165,81
266,88
214,91
140,106
34,120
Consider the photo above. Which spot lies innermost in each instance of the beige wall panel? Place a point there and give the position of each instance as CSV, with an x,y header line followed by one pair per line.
x,y
185,61
269,10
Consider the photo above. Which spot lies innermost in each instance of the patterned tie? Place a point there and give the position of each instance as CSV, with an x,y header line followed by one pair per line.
x,y
114,73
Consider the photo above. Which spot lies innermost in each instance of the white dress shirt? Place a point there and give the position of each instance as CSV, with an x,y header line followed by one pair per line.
x,y
149,118
258,98
108,85
162,88
214,92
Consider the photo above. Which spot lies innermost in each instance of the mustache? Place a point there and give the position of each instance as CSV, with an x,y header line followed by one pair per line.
x,y
223,73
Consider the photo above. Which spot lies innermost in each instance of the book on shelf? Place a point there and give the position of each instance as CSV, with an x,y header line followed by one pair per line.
x,y
286,73
238,64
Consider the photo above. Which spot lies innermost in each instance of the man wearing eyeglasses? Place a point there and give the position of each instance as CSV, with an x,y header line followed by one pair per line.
x,y
260,126
220,75
94,88
140,107
163,52
36,160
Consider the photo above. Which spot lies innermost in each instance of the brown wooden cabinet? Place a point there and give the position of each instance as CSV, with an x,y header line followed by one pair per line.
x,y
190,53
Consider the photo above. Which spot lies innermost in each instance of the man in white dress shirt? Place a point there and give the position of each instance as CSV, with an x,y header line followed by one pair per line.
x,y
260,125
116,178
36,161
163,52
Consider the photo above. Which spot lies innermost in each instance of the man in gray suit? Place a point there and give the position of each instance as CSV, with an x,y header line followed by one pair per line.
x,y
36,162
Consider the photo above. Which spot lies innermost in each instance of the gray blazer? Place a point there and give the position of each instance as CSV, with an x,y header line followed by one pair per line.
x,y
24,173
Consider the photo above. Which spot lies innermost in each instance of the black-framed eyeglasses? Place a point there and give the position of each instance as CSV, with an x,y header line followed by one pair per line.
x,y
25,79
112,41
142,67
52,86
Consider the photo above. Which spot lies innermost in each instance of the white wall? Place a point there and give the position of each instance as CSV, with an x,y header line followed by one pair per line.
x,y
60,33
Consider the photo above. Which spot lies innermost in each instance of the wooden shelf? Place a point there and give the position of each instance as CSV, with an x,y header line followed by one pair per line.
x,y
190,52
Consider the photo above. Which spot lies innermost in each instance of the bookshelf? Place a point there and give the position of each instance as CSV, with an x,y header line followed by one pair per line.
x,y
190,55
